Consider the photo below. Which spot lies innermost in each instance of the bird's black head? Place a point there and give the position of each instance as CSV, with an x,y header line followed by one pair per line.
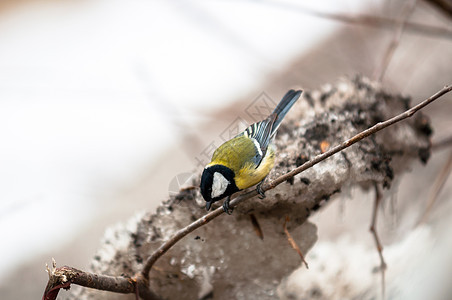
x,y
217,182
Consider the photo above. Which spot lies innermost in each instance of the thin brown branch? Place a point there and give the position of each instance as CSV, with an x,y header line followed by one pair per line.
x,y
406,12
377,127
64,276
437,188
373,230
444,143
293,243
368,20
234,202
179,235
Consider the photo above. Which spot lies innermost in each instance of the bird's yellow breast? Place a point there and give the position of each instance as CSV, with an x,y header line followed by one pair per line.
x,y
249,175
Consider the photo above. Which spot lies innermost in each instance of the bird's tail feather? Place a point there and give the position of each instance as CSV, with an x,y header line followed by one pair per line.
x,y
283,107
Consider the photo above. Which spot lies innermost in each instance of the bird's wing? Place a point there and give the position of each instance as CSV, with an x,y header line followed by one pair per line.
x,y
261,133
237,152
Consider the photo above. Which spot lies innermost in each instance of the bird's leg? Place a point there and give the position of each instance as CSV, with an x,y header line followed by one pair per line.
x,y
226,207
259,189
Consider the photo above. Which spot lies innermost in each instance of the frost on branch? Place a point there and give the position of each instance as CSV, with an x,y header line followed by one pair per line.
x,y
225,258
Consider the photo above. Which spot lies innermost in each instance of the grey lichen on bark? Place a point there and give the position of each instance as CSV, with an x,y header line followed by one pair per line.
x,y
225,258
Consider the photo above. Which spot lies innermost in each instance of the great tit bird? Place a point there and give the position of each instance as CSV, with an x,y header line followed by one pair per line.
x,y
246,159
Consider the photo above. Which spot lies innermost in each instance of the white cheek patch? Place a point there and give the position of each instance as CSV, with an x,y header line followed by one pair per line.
x,y
219,185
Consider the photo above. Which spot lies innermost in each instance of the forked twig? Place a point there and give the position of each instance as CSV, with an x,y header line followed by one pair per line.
x,y
63,277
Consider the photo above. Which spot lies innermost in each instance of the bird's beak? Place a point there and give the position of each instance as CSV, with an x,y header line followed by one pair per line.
x,y
208,205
